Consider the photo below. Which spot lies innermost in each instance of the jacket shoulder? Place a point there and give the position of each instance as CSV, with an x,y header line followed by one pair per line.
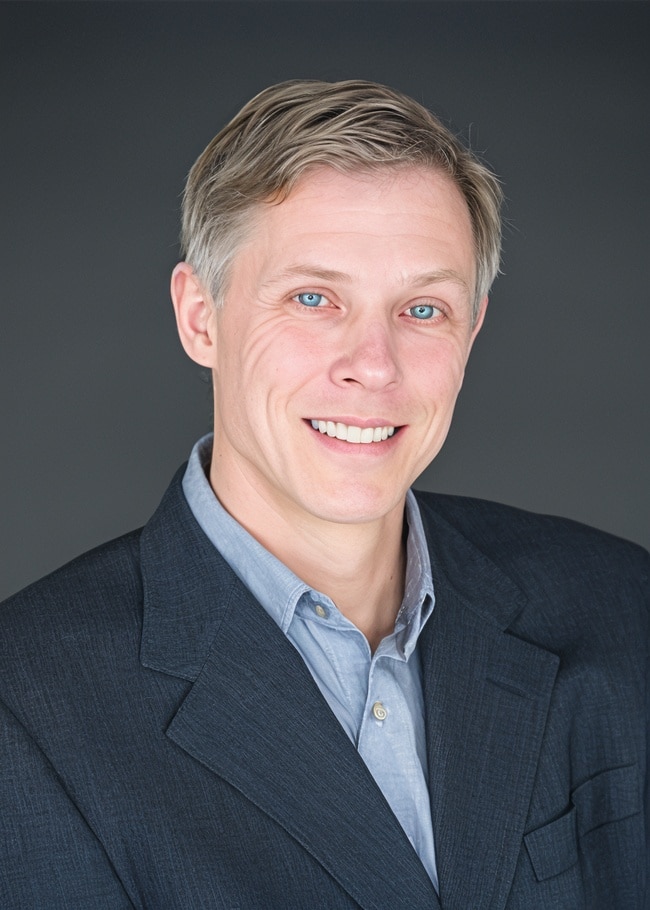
x,y
78,602
547,546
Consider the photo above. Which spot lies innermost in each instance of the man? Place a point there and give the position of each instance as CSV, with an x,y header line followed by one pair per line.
x,y
302,685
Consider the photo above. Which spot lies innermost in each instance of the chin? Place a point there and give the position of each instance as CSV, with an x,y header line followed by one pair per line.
x,y
350,509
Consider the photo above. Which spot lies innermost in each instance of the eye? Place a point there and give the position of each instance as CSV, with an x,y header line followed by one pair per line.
x,y
424,311
309,298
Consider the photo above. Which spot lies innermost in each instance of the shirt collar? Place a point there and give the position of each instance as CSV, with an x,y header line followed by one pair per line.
x,y
274,585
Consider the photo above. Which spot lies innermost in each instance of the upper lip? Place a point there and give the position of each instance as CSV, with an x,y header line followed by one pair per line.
x,y
358,421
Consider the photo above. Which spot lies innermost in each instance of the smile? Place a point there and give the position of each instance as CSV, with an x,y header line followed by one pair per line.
x,y
352,433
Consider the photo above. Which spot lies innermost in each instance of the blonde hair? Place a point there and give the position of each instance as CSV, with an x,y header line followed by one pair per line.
x,y
295,126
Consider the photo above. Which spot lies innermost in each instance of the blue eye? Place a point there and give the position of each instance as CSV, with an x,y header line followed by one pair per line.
x,y
423,311
310,299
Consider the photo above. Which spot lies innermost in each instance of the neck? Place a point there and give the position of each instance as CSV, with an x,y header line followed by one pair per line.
x,y
360,566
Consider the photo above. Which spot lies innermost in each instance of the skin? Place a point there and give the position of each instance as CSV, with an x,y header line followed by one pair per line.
x,y
320,321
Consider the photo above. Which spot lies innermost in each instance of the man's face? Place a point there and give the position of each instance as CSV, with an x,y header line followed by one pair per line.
x,y
347,318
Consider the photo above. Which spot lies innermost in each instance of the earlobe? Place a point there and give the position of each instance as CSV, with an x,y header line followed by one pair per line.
x,y
194,314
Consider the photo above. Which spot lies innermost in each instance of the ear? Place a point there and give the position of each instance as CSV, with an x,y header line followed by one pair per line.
x,y
195,315
479,321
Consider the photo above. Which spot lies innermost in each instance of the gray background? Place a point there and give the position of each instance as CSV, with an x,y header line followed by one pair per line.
x,y
104,108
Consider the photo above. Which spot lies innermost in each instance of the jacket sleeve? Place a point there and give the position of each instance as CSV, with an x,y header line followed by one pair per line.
x,y
49,856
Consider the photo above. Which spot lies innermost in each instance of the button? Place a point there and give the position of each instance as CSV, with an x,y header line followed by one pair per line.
x,y
379,712
320,610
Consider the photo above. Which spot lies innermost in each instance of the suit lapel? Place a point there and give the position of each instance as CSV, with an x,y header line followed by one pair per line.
x,y
255,717
486,695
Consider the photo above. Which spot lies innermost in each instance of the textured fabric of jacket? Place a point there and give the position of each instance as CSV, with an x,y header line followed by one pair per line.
x,y
163,746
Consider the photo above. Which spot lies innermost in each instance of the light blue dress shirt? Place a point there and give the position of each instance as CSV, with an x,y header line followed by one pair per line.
x,y
377,698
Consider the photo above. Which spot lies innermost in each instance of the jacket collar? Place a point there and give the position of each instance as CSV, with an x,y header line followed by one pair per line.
x,y
187,588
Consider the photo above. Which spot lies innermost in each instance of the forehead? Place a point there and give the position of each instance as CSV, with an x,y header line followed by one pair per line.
x,y
392,218
403,191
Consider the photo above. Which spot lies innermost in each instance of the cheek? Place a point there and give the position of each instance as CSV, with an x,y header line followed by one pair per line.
x,y
438,371
284,356
258,380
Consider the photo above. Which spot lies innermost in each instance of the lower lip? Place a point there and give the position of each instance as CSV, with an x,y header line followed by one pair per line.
x,y
371,449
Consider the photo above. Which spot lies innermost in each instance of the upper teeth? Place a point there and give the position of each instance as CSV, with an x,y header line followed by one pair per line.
x,y
352,434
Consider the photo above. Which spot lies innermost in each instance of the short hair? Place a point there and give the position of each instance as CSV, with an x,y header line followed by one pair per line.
x,y
299,125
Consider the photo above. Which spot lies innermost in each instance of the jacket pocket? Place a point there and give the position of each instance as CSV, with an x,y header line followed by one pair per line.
x,y
607,797
554,847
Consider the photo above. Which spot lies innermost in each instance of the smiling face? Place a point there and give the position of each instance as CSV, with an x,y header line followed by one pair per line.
x,y
340,349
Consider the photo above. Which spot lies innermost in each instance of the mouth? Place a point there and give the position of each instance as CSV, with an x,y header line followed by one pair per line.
x,y
351,433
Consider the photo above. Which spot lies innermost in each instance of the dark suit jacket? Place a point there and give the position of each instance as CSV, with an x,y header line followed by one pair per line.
x,y
163,746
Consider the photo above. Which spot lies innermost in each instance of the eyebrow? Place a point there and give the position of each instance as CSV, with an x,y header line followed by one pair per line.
x,y
308,270
436,277
420,279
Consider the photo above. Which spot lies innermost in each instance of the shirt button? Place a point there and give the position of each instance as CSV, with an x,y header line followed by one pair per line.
x,y
379,712
320,610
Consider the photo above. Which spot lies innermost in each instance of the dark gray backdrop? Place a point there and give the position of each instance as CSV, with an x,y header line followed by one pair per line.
x,y
104,108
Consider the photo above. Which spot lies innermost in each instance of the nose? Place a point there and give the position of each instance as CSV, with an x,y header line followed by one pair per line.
x,y
367,357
